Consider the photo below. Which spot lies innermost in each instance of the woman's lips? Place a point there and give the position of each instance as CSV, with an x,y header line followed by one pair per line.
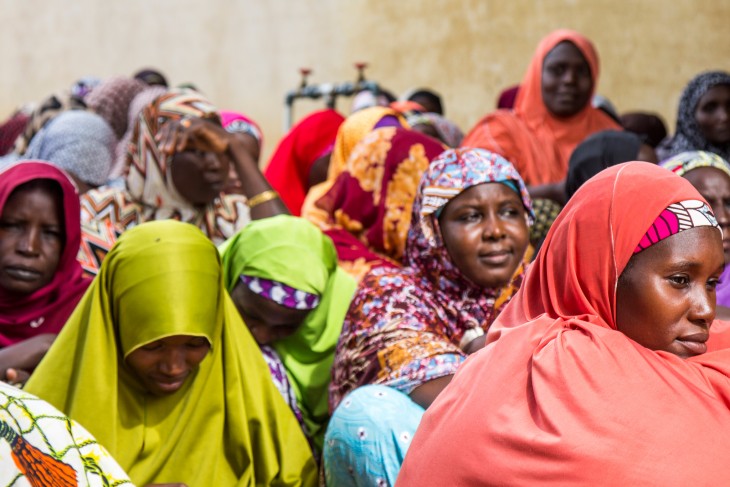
x,y
22,273
496,257
694,344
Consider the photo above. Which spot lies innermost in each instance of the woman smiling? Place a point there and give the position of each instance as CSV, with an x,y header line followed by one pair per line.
x,y
600,356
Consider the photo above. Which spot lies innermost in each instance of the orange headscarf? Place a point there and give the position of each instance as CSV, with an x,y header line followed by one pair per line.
x,y
535,141
559,396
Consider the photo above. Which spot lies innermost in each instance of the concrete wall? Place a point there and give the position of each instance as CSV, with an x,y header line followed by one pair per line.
x,y
245,54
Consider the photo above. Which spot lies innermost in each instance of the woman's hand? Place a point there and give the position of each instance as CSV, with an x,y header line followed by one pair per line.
x,y
192,134
475,345
17,360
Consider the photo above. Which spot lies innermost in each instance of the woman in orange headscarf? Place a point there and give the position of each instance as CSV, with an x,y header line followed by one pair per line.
x,y
552,113
596,372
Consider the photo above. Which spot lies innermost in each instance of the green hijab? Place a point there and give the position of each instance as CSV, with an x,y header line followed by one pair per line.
x,y
227,425
294,252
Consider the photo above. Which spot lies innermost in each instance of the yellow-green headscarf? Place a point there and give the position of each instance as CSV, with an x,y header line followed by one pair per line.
x,y
227,425
294,252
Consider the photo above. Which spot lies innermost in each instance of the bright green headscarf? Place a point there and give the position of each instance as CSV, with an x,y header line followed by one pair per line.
x,y
228,425
294,252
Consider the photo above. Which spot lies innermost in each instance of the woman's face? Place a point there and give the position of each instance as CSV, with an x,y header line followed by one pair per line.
x,y
714,186
267,320
713,115
566,80
163,366
199,176
485,232
32,237
665,298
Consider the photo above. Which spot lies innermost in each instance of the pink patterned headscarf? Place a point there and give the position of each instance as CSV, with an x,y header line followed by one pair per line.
x,y
677,218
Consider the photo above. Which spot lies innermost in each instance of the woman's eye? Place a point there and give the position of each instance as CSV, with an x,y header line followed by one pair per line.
x,y
713,283
151,347
556,70
510,212
679,280
469,217
197,343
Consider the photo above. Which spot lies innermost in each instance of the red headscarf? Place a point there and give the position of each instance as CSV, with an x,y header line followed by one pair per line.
x,y
46,310
535,141
559,396
288,169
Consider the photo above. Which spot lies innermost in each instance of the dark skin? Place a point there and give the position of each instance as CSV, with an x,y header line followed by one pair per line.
x,y
205,136
665,298
31,243
486,234
713,115
318,171
567,86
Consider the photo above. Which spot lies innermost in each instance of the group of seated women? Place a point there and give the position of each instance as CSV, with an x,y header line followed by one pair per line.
x,y
542,303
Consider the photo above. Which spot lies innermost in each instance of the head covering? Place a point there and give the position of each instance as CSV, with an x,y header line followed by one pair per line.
x,y
150,193
572,400
295,253
507,97
37,441
84,85
289,167
648,126
684,162
538,143
45,310
280,293
141,100
404,326
688,135
45,111
151,76
11,129
79,142
238,122
596,153
447,130
676,218
367,210
227,416
111,100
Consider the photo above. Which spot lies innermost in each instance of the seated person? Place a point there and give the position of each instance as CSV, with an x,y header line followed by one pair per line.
x,y
40,279
702,117
177,168
552,114
283,277
412,328
302,157
710,175
600,354
157,364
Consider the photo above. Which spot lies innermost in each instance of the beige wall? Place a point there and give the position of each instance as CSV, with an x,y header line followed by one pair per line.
x,y
245,54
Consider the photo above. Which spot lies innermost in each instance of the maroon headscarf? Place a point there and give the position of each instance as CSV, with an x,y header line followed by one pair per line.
x,y
45,310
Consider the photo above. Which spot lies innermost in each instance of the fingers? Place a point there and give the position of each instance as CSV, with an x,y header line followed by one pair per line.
x,y
16,377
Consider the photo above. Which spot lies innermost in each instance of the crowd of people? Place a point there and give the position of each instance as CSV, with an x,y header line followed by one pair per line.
x,y
541,299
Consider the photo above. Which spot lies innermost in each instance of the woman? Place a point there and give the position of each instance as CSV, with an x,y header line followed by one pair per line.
x,y
40,279
79,142
601,150
283,277
367,210
302,157
412,328
244,128
599,356
702,118
710,175
552,114
177,167
163,372
44,447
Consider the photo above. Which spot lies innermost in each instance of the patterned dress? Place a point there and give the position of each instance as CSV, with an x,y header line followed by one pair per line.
x,y
40,446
